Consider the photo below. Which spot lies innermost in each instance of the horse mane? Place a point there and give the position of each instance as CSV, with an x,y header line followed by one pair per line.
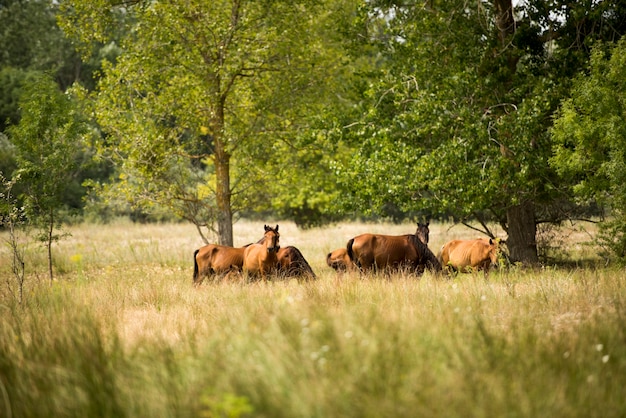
x,y
426,256
299,266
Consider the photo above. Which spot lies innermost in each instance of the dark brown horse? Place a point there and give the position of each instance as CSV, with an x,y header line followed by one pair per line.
x,y
214,260
391,252
261,259
291,263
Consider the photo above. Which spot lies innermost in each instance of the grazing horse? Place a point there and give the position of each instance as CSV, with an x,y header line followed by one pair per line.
x,y
215,259
262,258
379,252
339,260
465,255
291,263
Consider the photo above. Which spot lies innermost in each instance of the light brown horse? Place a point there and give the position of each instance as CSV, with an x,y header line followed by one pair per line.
x,y
391,252
213,260
291,263
261,259
339,260
468,255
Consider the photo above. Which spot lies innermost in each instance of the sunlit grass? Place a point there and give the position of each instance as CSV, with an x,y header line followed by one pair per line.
x,y
122,332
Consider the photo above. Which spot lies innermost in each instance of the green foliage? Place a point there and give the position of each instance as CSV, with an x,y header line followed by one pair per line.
x,y
49,142
204,92
590,139
31,40
226,406
12,84
456,120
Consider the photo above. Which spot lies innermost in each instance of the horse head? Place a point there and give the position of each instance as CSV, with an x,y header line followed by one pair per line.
x,y
422,232
493,250
271,239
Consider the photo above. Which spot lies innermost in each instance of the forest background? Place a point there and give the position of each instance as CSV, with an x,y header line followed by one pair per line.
x,y
479,112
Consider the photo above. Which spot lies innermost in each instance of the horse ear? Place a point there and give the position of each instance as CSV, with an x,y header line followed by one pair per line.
x,y
491,241
267,228
276,228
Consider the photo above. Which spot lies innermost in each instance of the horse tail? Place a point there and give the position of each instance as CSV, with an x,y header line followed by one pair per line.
x,y
196,272
349,249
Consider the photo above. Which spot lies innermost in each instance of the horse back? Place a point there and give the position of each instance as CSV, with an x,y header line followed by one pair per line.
x,y
226,258
467,253
377,250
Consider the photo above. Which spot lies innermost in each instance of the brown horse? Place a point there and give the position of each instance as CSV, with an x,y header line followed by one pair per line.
x,y
339,260
467,255
291,263
390,252
262,258
212,260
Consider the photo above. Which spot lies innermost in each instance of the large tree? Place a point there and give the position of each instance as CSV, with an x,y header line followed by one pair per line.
x,y
200,93
458,121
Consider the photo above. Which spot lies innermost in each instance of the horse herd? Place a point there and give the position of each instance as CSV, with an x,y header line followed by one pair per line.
x,y
364,253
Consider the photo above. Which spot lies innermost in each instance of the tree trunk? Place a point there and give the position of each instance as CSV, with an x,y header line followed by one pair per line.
x,y
49,244
505,21
522,231
222,188
224,211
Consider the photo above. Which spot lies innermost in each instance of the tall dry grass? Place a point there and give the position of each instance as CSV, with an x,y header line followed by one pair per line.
x,y
122,332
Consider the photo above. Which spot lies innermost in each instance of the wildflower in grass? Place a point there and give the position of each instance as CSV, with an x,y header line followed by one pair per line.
x,y
605,358
599,347
348,334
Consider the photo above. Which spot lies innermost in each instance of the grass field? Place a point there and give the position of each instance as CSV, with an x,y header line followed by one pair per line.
x,y
122,332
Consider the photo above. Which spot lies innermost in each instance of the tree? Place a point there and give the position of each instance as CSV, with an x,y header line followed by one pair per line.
x,y
31,40
195,101
590,139
458,122
48,142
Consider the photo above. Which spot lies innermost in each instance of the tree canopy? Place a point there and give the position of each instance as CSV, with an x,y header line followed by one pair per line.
x,y
201,94
320,110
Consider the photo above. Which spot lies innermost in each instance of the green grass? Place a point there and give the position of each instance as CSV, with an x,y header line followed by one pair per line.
x,y
122,332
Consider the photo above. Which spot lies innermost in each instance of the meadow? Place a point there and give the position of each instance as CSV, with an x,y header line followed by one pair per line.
x,y
123,333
